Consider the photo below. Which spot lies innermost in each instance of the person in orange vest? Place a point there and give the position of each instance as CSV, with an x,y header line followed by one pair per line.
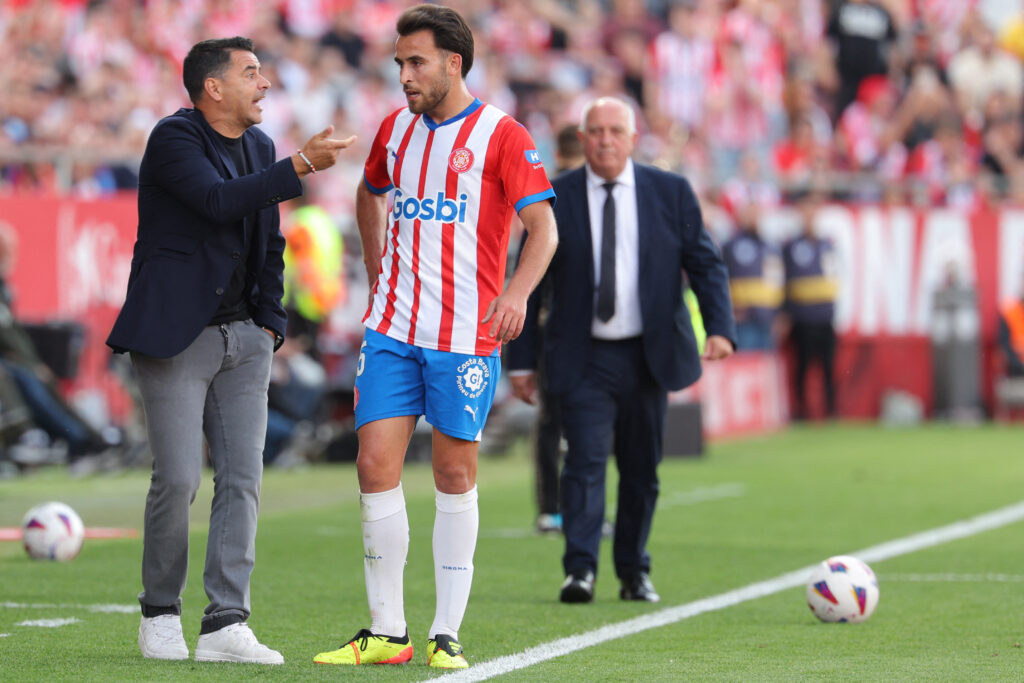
x,y
314,280
1011,336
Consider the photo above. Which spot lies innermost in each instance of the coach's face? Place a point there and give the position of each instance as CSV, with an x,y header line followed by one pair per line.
x,y
608,139
240,89
425,71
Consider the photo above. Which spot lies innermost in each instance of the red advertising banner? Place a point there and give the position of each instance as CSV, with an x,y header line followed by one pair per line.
x,y
745,394
72,264
74,257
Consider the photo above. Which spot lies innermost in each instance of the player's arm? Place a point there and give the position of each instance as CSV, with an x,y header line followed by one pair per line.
x,y
508,311
371,217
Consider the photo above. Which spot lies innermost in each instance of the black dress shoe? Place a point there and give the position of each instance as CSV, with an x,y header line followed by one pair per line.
x,y
578,586
639,587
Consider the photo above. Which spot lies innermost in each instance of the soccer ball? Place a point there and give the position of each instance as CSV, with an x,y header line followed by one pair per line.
x,y
842,588
52,531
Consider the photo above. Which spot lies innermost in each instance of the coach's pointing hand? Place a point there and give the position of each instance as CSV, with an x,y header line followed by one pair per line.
x,y
320,152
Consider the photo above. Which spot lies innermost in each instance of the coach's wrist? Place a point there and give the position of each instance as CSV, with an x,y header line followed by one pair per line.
x,y
278,339
302,169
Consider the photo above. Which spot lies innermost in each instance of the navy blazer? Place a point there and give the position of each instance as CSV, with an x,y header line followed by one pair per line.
x,y
194,209
672,239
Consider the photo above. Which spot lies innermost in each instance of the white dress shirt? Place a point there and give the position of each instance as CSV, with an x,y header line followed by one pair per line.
x,y
627,321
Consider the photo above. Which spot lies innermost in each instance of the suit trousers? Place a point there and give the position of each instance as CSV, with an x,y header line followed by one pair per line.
x,y
217,386
617,406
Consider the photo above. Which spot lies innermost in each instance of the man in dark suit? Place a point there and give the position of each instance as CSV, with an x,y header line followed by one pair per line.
x,y
618,338
201,320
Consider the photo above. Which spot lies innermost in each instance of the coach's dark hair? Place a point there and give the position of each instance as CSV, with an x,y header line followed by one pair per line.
x,y
209,59
451,32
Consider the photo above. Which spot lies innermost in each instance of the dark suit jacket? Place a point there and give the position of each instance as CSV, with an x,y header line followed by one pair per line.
x,y
193,209
672,239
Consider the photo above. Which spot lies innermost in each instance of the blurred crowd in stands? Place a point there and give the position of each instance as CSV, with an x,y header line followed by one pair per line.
x,y
915,101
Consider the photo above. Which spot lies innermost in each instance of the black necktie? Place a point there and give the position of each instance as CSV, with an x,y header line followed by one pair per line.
x,y
606,288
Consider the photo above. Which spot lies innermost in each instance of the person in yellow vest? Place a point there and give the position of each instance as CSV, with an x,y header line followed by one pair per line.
x,y
313,285
313,275
1011,336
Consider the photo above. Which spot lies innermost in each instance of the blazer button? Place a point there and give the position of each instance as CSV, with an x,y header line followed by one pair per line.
x,y
220,290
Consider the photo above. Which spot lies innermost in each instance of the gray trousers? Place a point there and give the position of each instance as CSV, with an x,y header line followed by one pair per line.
x,y
217,387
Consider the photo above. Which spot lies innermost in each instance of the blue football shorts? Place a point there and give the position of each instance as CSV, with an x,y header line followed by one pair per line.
x,y
454,391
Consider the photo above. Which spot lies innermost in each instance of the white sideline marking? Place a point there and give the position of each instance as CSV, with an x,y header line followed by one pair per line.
x,y
4,635
701,494
49,623
671,615
109,609
955,578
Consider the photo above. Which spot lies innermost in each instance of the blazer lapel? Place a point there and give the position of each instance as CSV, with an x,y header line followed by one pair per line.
x,y
645,199
581,222
222,152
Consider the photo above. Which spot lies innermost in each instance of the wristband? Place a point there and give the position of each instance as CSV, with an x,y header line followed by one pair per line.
x,y
309,163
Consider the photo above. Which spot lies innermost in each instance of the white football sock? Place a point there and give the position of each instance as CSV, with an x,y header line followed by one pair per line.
x,y
386,547
455,529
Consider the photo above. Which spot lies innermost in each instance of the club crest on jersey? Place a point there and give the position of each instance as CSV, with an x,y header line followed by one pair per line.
x,y
472,377
461,159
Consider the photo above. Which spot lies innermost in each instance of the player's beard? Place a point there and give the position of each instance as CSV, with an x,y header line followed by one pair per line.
x,y
431,98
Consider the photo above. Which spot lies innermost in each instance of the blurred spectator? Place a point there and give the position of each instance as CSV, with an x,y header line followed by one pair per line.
x,y
862,33
345,40
799,157
926,100
737,109
919,52
1002,143
811,290
982,68
943,21
956,346
628,16
866,140
680,61
941,170
800,100
755,266
607,79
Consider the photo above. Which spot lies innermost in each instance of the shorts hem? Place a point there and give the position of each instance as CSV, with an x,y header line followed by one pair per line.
x,y
451,433
384,416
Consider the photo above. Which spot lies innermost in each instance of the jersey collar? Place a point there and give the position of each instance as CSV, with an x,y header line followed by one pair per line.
x,y
432,125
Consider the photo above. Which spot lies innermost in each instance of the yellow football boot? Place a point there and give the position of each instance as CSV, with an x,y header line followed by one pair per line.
x,y
369,648
444,652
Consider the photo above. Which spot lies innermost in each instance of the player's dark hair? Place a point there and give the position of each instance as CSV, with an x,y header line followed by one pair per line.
x,y
209,59
451,32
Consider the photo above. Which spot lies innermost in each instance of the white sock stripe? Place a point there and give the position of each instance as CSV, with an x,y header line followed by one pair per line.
x,y
455,502
375,506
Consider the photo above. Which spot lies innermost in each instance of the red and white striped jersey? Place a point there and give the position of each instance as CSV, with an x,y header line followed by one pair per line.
x,y
455,187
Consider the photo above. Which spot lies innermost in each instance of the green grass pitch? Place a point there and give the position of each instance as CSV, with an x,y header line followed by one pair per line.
x,y
749,510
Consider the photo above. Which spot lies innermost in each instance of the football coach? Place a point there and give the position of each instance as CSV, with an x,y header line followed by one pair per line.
x,y
201,321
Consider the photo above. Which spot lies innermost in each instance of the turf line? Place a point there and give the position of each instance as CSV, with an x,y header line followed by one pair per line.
x,y
901,546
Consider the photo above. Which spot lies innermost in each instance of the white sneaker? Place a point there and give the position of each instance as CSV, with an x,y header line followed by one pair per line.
x,y
160,637
235,643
